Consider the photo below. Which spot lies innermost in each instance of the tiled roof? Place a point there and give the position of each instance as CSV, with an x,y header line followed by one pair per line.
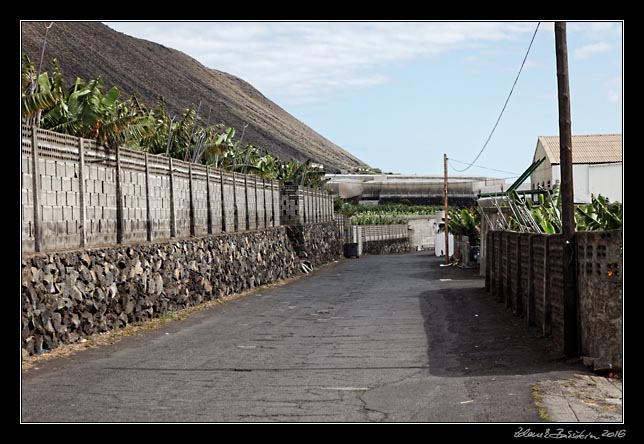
x,y
594,148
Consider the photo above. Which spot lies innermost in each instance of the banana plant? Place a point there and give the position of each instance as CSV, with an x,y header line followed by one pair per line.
x,y
39,92
599,214
466,222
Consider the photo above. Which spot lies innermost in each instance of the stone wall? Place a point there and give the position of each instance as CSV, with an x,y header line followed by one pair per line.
x,y
388,246
316,243
384,239
72,294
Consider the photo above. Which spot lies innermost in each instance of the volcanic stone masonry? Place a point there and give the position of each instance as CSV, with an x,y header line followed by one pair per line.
x,y
71,294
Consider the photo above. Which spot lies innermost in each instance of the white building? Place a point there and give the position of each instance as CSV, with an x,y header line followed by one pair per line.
x,y
597,165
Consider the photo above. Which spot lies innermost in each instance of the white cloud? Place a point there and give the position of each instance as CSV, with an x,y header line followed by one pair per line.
x,y
587,51
304,61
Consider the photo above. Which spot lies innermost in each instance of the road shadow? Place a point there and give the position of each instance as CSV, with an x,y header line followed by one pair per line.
x,y
470,333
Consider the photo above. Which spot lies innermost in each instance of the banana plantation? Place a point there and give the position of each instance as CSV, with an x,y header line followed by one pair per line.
x,y
86,110
544,215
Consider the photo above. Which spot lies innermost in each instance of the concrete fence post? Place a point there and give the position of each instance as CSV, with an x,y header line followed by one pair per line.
x,y
246,215
35,175
222,200
256,206
119,199
273,203
235,210
81,192
173,226
265,210
208,202
148,210
191,212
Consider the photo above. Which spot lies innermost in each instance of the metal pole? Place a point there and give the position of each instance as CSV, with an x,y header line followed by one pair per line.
x,y
446,211
571,346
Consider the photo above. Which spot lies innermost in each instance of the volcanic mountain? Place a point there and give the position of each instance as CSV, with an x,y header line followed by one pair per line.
x,y
148,70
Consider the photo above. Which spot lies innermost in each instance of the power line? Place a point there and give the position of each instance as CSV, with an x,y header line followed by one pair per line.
x,y
481,166
504,105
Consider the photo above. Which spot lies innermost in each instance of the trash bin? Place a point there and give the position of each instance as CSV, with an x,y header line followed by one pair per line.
x,y
351,249
475,254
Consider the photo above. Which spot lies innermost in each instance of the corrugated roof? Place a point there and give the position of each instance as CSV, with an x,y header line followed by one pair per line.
x,y
594,148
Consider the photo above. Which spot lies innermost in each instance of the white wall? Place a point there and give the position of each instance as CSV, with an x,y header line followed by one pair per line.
x,y
422,232
606,179
601,178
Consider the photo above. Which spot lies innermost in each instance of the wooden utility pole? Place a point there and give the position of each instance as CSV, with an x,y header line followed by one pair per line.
x,y
446,213
571,342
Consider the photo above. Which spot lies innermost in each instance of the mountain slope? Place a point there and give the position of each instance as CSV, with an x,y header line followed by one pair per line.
x,y
148,70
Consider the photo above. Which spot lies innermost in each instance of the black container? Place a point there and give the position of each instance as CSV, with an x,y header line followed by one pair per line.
x,y
351,249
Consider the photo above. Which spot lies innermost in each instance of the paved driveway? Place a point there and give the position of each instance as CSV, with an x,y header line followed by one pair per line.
x,y
380,338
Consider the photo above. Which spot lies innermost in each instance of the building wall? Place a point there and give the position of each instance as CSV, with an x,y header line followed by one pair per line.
x,y
604,178
542,175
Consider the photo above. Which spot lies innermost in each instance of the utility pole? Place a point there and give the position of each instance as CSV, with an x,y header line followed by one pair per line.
x,y
571,347
446,214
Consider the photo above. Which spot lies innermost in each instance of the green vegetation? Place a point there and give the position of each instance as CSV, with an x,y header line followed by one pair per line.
x,y
85,110
384,214
466,222
545,215
393,210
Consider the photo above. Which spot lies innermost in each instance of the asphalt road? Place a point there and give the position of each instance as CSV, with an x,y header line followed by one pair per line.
x,y
380,338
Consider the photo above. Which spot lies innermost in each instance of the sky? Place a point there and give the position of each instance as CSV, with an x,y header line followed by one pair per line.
x,y
400,94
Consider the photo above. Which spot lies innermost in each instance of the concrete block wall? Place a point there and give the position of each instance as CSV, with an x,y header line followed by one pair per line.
x,y
252,202
600,266
303,205
181,183
77,205
214,181
291,205
383,239
229,202
27,194
159,182
134,200
241,202
275,208
525,271
200,199
261,211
